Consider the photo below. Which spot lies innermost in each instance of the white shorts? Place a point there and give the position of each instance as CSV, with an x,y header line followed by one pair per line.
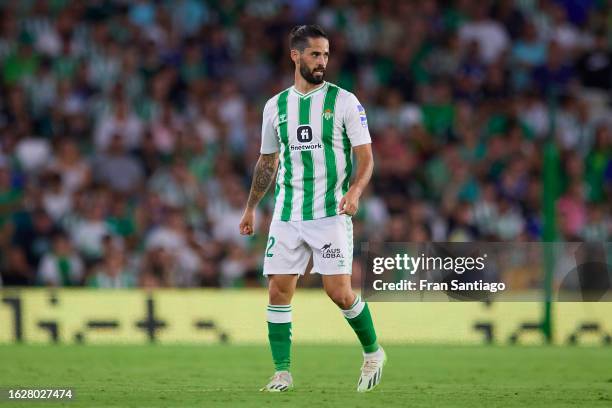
x,y
291,243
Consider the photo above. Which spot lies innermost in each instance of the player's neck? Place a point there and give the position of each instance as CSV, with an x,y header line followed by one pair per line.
x,y
303,86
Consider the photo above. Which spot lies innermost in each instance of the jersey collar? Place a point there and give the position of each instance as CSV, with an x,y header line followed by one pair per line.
x,y
323,85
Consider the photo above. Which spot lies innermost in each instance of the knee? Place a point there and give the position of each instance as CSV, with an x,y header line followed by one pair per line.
x,y
342,297
279,295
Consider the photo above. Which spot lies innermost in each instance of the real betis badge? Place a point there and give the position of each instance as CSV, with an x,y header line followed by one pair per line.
x,y
328,114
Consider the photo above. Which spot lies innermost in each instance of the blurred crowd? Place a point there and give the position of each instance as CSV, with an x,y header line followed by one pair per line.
x,y
129,129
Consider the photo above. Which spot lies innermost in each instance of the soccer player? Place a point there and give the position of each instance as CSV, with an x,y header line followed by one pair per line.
x,y
313,127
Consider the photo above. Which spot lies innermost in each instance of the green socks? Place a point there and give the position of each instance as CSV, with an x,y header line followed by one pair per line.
x,y
279,335
358,316
279,331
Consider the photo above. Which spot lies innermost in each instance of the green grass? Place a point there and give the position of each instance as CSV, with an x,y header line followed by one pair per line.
x,y
325,376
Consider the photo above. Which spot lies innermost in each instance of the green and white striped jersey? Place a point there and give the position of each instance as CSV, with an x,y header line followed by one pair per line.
x,y
313,134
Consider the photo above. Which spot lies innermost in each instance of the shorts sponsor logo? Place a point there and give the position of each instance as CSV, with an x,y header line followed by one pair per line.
x,y
329,252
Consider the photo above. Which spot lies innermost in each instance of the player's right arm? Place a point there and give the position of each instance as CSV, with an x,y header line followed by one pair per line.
x,y
265,169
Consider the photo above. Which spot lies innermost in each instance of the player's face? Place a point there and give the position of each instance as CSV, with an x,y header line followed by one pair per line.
x,y
313,60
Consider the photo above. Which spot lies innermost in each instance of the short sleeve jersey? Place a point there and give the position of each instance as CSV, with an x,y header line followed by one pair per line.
x,y
314,134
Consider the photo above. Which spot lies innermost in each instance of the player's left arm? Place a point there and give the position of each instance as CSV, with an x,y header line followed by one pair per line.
x,y
365,164
356,126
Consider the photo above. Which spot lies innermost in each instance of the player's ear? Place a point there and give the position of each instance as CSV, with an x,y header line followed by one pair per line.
x,y
295,56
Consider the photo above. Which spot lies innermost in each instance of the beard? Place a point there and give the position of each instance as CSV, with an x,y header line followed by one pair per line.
x,y
308,75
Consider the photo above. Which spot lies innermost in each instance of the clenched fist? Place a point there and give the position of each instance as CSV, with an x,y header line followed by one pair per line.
x,y
247,223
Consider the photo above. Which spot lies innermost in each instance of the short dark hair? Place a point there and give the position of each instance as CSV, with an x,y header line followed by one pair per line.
x,y
298,38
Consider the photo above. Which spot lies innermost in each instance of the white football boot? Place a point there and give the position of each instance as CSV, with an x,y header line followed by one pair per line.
x,y
371,371
280,381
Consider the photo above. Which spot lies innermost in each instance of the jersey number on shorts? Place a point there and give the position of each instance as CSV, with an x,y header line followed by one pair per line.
x,y
271,242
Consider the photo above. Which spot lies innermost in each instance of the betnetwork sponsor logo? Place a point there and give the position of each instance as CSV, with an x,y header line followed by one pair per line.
x,y
297,148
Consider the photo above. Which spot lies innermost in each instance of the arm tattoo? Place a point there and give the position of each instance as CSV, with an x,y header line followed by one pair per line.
x,y
262,178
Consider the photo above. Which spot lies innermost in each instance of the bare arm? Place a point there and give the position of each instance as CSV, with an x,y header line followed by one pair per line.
x,y
265,169
365,164
263,176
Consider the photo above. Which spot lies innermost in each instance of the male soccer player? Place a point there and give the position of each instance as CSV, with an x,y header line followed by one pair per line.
x,y
313,127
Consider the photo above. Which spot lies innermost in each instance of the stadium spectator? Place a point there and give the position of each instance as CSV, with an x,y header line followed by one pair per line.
x,y
89,229
117,169
489,34
56,200
15,269
595,65
554,75
122,124
75,170
62,266
112,272
33,235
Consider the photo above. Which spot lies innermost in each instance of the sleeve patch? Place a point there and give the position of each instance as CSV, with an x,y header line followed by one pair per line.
x,y
362,116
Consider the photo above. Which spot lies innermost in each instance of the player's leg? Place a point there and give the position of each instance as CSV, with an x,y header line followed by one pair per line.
x,y
331,240
280,291
285,259
355,310
357,314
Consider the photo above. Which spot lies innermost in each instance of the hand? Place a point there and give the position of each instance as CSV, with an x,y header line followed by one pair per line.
x,y
247,223
350,202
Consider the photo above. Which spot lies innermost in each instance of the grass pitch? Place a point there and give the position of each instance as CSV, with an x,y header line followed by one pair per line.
x,y
325,376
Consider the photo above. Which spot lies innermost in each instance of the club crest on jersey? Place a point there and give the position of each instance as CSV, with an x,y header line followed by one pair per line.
x,y
329,252
362,116
328,114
